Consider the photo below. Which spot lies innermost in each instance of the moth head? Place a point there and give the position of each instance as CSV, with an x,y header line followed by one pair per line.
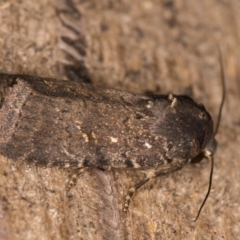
x,y
211,147
201,127
209,143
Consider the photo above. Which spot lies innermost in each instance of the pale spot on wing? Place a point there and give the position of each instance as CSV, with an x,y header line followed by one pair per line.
x,y
146,144
85,136
114,140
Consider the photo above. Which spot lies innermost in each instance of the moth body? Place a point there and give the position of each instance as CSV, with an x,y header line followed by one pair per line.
x,y
68,124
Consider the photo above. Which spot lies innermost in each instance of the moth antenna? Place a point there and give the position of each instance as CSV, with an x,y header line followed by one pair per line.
x,y
223,89
209,187
209,156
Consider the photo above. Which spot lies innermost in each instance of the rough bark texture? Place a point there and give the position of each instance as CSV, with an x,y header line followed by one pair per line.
x,y
138,46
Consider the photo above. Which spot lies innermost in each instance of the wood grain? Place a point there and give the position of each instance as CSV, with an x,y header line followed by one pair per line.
x,y
148,46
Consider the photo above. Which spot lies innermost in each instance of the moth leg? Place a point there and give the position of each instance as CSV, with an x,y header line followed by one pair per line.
x,y
149,175
73,180
131,191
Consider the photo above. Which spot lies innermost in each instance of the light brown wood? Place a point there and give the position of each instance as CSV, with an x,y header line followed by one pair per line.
x,y
138,46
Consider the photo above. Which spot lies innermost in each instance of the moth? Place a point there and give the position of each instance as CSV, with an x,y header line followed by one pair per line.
x,y
66,124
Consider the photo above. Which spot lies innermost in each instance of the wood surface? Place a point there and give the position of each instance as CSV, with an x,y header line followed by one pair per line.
x,y
138,46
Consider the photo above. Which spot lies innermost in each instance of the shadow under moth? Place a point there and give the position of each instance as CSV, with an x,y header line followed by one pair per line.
x,y
57,123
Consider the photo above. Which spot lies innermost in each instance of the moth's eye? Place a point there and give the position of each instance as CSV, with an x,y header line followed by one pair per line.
x,y
211,146
198,158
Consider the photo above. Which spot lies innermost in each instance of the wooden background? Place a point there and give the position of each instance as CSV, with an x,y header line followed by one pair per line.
x,y
158,46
